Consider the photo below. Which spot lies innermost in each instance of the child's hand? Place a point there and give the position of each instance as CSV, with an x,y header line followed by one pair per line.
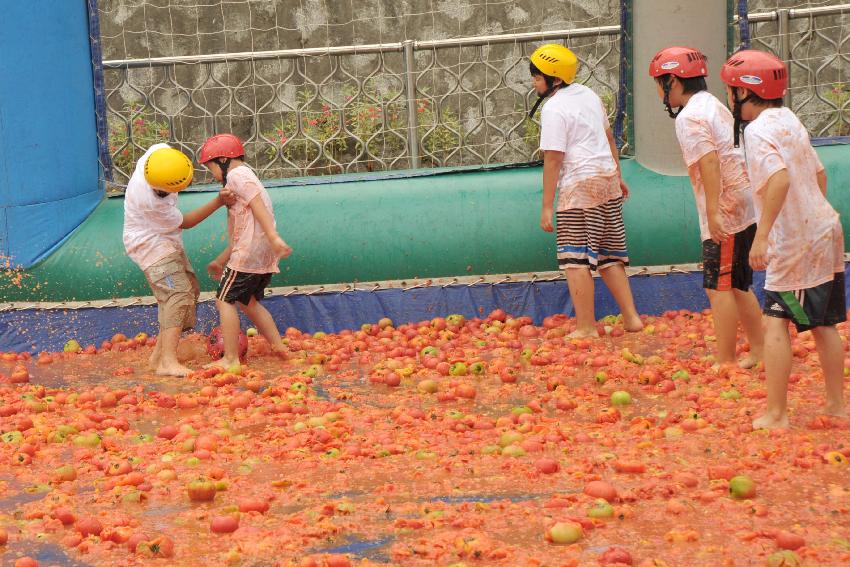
x,y
758,253
227,196
215,269
281,248
625,189
715,228
546,219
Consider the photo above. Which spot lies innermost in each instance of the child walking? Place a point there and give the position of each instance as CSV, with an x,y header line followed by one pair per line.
x,y
723,197
581,163
246,266
153,239
799,239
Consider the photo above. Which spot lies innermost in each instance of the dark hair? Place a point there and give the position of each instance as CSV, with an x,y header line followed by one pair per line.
x,y
766,103
691,85
535,71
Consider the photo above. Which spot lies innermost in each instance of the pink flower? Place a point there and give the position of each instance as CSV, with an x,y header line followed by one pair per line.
x,y
139,121
313,122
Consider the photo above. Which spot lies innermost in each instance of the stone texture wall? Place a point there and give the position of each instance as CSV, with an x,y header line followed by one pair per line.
x,y
153,28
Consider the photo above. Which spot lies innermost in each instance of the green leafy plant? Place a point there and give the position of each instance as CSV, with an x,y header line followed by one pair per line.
x,y
839,96
322,138
446,135
376,122
144,131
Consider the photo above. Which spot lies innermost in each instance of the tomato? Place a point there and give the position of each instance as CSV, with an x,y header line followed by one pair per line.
x,y
224,524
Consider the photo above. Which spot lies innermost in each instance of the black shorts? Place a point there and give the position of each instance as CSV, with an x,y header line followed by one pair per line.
x,y
726,266
820,306
241,286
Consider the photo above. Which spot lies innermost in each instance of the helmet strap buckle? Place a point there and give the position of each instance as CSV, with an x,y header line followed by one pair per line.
x,y
551,88
667,86
740,123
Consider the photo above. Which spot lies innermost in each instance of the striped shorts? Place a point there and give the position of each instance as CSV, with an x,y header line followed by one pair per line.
x,y
593,238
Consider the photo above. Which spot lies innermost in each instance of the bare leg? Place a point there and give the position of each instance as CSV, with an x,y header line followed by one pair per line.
x,y
264,321
831,355
614,276
580,284
168,364
157,352
230,332
777,366
724,311
749,313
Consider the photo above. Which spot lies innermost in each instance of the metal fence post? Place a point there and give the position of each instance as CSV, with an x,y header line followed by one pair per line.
x,y
784,15
412,115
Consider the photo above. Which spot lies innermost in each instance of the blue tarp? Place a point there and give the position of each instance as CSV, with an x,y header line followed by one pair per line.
x,y
38,330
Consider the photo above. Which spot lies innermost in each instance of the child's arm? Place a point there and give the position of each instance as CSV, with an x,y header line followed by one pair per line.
x,y
709,170
216,267
774,198
194,218
822,181
615,153
264,217
552,161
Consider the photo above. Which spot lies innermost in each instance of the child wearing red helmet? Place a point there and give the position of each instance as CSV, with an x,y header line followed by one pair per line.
x,y
246,266
799,238
153,239
722,193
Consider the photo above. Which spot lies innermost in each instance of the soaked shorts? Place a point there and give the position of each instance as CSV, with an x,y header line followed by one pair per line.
x,y
242,286
821,306
176,290
592,238
726,266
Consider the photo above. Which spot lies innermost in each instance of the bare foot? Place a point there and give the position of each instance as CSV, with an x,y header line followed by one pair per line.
x,y
836,409
769,421
281,352
223,363
632,324
590,333
749,361
173,369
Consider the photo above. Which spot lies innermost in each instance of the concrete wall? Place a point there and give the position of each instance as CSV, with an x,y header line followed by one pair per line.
x,y
132,29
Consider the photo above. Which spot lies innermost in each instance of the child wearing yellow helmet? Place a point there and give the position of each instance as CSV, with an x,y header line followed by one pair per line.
x,y
153,227
581,163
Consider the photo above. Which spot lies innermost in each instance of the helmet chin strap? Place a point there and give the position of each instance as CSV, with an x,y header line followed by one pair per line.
x,y
740,123
550,83
667,85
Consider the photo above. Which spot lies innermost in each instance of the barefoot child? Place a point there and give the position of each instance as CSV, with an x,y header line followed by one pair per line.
x,y
722,192
799,238
581,162
153,238
246,266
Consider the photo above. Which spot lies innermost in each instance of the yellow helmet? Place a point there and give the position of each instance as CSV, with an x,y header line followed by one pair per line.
x,y
556,61
169,170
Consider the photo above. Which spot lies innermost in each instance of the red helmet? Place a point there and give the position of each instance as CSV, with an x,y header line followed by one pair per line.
x,y
683,62
764,74
221,146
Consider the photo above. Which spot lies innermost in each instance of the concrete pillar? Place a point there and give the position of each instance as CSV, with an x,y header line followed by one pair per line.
x,y
662,23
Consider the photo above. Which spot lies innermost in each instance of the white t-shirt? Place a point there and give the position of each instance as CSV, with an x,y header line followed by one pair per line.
x,y
806,242
574,122
706,125
151,223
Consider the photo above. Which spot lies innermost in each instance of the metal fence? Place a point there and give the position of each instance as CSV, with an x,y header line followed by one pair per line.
x,y
460,101
813,43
